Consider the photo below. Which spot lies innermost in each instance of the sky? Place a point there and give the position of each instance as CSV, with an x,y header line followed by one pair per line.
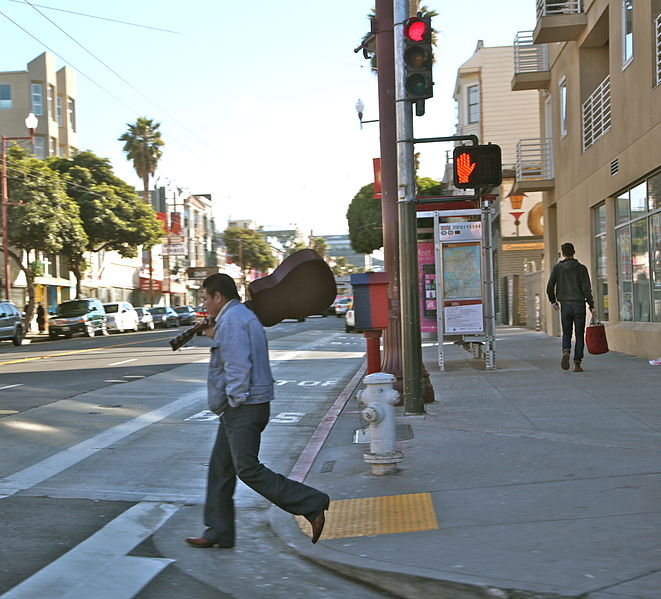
x,y
256,100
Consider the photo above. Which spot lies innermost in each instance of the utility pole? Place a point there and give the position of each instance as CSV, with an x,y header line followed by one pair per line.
x,y
385,60
408,241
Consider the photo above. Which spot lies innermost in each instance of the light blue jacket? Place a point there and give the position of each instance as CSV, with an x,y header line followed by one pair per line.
x,y
239,369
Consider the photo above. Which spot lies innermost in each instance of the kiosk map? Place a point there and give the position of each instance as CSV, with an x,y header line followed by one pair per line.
x,y
461,271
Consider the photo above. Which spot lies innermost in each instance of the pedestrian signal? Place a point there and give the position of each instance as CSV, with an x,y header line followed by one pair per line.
x,y
476,167
418,59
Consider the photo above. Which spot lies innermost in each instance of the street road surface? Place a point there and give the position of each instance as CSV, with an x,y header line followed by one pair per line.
x,y
104,445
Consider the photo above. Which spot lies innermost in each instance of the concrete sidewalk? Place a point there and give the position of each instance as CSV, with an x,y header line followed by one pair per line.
x,y
544,483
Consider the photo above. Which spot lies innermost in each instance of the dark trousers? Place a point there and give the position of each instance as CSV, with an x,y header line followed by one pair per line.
x,y
572,315
235,453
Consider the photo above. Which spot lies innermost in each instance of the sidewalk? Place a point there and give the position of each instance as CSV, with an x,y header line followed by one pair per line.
x,y
544,483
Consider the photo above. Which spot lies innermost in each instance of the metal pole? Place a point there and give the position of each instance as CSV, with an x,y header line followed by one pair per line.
x,y
408,238
5,239
392,344
487,236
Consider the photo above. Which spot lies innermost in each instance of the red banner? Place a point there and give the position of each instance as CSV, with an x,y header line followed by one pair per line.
x,y
163,217
376,162
175,223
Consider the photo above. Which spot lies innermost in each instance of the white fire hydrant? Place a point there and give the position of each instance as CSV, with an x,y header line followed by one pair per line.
x,y
379,398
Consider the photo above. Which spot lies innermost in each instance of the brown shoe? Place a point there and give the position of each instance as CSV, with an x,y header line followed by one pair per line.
x,y
564,363
203,543
318,523
577,366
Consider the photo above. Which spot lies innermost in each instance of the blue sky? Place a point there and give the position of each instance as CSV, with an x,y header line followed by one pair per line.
x,y
255,99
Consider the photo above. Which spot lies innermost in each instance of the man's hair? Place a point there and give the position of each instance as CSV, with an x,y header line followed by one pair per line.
x,y
223,284
567,249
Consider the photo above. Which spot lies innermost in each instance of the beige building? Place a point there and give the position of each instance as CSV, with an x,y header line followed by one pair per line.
x,y
487,107
50,95
597,158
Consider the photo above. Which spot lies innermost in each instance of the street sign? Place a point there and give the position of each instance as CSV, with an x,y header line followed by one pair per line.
x,y
477,166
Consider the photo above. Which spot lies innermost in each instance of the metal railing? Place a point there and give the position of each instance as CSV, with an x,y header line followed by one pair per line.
x,y
558,7
534,159
658,48
597,113
529,57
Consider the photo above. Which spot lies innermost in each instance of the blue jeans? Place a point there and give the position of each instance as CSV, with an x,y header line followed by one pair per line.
x,y
572,315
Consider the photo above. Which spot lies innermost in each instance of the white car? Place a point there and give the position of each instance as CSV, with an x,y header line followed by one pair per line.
x,y
121,317
342,305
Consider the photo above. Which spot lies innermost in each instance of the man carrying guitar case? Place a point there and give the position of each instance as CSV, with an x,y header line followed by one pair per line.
x,y
569,284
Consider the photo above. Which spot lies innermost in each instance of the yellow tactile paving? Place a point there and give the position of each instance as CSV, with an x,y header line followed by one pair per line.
x,y
376,516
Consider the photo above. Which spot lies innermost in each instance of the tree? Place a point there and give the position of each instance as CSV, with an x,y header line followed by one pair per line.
x,y
319,245
44,219
297,246
248,249
114,217
364,214
142,144
342,267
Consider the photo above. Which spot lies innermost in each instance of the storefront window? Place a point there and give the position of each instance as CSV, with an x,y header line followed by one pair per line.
x,y
601,274
638,200
654,192
640,271
625,286
622,208
655,253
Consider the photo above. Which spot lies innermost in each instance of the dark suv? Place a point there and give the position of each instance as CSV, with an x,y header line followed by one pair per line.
x,y
186,314
11,323
85,316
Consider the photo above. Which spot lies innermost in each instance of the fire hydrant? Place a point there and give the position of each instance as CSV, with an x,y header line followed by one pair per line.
x,y
379,398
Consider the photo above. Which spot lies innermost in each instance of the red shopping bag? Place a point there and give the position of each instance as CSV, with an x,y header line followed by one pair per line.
x,y
595,337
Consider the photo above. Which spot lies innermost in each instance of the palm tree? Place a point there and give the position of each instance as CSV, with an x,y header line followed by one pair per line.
x,y
142,144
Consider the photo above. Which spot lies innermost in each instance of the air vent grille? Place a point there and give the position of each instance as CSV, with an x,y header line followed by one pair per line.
x,y
615,167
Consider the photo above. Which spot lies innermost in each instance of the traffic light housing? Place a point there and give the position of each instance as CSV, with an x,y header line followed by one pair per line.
x,y
476,167
418,59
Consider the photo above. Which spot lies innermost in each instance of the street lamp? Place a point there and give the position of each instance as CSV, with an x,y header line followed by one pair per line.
x,y
360,108
31,123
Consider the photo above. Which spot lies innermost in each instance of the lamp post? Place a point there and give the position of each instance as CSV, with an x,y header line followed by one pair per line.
x,y
360,109
31,123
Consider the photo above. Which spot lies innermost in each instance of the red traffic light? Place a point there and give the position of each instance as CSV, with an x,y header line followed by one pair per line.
x,y
477,166
416,30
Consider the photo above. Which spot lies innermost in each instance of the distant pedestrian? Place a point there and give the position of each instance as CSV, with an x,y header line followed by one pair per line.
x,y
41,318
240,389
569,284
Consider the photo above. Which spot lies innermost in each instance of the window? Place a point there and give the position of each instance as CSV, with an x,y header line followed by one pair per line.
x,y
474,104
52,146
627,31
37,103
39,147
5,95
563,107
71,112
60,119
51,102
638,240
601,266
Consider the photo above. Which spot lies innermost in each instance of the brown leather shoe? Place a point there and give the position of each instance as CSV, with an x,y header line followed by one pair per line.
x,y
577,366
564,363
203,543
318,523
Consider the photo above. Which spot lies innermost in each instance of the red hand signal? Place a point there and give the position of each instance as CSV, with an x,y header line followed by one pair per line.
x,y
464,167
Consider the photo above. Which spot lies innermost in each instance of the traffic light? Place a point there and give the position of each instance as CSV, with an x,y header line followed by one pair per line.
x,y
418,59
477,166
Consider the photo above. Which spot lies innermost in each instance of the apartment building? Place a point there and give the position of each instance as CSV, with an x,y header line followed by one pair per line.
x,y
51,96
597,160
487,107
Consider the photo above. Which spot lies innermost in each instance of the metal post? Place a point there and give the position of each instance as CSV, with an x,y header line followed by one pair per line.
x,y
392,345
5,237
487,236
408,239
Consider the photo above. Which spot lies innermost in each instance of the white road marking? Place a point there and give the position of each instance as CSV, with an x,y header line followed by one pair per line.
x,y
203,416
123,362
288,417
39,472
11,386
99,567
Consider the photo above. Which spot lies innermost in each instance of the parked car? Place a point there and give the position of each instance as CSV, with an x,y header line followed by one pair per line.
x,y
121,316
342,306
86,316
11,323
145,319
349,321
186,315
164,316
201,315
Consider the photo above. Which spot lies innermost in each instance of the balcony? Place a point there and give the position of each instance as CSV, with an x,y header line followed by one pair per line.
x,y
657,29
559,21
531,63
596,114
534,165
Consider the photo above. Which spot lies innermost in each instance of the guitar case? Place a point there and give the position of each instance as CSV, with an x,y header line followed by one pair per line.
x,y
302,285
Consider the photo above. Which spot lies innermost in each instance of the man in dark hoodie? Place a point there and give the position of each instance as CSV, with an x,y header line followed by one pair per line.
x,y
569,284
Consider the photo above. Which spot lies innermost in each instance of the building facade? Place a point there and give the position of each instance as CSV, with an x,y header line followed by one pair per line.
x,y
488,108
597,67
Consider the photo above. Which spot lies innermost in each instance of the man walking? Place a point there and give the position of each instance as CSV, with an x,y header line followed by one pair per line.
x,y
569,284
240,388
